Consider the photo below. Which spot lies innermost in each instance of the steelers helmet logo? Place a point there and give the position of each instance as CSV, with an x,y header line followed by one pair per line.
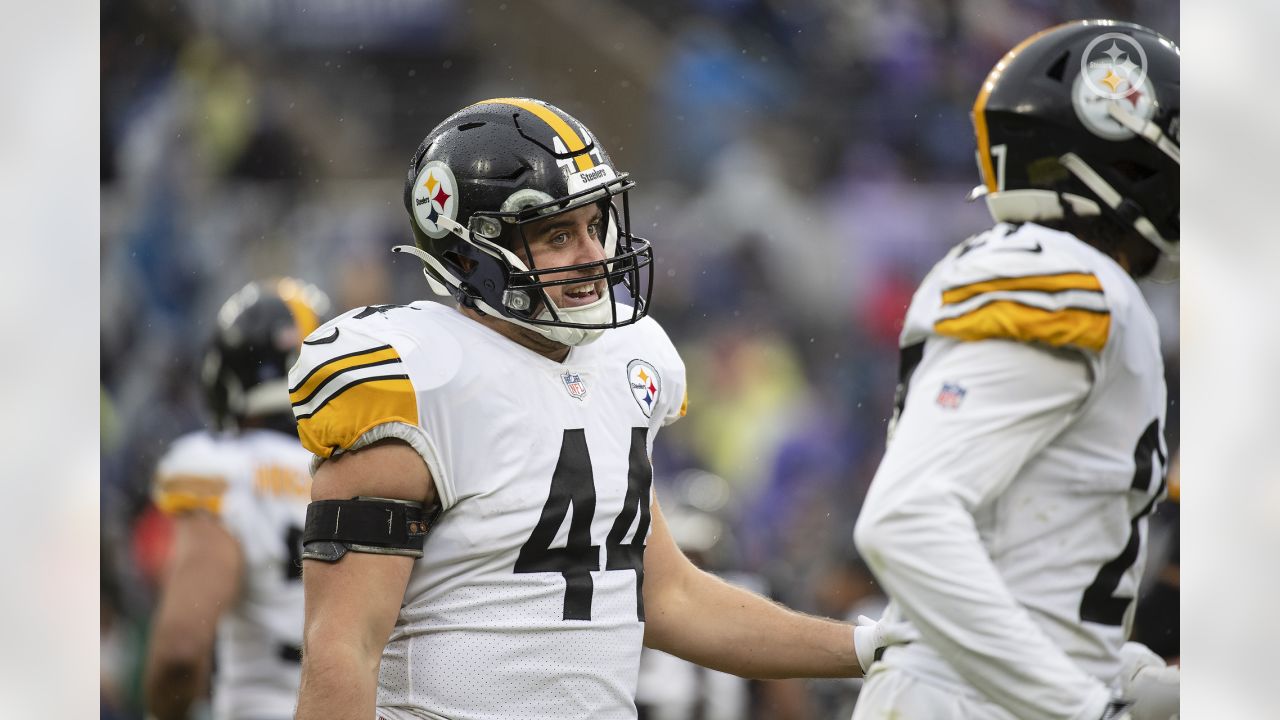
x,y
435,194
1094,109
1113,65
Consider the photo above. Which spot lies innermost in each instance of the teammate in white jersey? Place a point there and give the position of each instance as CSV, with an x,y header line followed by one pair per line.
x,y
525,417
238,496
1007,520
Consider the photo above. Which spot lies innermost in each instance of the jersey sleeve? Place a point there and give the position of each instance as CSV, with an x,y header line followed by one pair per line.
x,y
1014,287
975,413
193,475
676,402
203,473
350,387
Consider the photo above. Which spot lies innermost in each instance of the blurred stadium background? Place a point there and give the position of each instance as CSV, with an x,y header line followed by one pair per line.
x,y
801,165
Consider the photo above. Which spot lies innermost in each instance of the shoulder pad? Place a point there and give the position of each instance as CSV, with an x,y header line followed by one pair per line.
x,y
349,378
1021,284
195,474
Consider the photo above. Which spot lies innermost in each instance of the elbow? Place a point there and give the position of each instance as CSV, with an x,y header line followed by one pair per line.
x,y
171,682
177,657
881,535
869,534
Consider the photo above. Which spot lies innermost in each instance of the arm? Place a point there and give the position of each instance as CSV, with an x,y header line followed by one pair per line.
x,y
699,617
917,531
352,604
203,580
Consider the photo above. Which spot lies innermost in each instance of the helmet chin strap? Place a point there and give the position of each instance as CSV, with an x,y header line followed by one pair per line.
x,y
597,312
1032,205
1146,129
1114,200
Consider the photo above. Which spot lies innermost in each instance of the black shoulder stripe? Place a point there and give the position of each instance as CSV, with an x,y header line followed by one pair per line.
x,y
333,360
361,381
340,373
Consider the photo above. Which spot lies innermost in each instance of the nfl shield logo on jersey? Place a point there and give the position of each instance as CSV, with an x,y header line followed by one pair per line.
x,y
573,383
645,385
951,395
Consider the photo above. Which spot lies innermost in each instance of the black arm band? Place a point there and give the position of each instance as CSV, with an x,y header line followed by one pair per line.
x,y
364,524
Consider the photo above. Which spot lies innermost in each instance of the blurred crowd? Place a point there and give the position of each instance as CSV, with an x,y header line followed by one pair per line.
x,y
800,166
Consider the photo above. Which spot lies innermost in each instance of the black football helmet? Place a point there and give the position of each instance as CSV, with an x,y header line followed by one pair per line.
x,y
259,332
1082,120
485,172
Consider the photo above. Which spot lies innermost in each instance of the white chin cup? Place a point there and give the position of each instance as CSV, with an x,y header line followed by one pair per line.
x,y
599,312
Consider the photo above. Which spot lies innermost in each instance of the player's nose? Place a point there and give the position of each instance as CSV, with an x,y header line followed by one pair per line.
x,y
588,247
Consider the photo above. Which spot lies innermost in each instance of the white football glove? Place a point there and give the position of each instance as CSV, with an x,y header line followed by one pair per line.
x,y
869,636
1148,684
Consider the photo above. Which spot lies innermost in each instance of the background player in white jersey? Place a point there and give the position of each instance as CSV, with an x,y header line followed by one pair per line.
x,y
526,417
1007,519
238,496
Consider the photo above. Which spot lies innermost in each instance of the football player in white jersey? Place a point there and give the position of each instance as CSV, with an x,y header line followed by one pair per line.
x,y
238,496
514,433
1007,520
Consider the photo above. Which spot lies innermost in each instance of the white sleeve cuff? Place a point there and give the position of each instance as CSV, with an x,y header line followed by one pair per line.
x,y
416,439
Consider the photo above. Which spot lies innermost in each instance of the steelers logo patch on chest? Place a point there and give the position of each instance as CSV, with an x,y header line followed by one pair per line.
x,y
646,385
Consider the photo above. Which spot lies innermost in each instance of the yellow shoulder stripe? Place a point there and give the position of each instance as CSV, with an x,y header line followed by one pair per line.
x,y
557,123
355,410
1039,283
1008,320
684,404
177,503
181,492
324,372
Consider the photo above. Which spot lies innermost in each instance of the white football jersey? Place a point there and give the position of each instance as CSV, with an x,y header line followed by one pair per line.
x,y
1030,421
257,484
527,602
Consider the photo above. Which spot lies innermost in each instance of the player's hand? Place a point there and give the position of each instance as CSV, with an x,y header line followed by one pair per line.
x,y
870,636
1146,682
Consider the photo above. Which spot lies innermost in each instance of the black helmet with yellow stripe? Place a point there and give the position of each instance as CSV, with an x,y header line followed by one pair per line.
x,y
1080,123
491,168
256,340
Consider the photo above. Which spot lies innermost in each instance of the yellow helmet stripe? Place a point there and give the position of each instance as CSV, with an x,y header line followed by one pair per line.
x,y
303,316
557,123
980,105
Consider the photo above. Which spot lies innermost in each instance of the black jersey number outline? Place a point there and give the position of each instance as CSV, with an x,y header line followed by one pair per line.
x,y
573,484
292,573
1100,603
293,543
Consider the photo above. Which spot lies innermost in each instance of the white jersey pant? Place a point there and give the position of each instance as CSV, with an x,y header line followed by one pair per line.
x,y
890,693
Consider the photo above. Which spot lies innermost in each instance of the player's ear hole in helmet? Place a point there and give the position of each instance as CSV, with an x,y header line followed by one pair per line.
x,y
1077,128
488,174
256,339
